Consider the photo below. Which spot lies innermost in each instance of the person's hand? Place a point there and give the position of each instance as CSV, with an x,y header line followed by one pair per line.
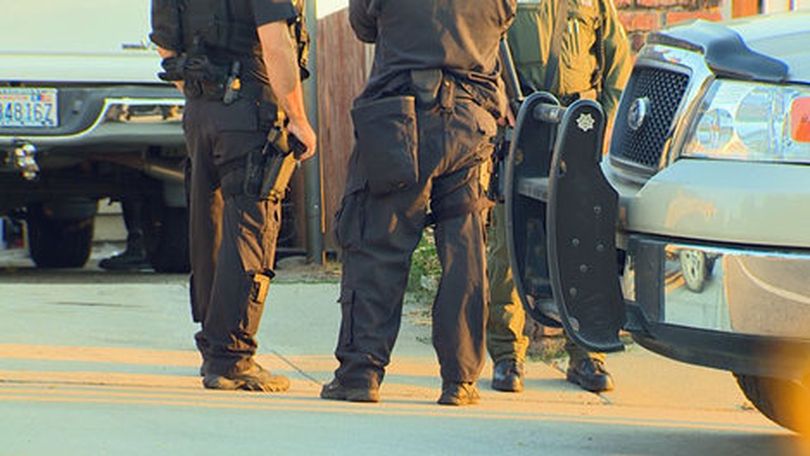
x,y
303,131
508,120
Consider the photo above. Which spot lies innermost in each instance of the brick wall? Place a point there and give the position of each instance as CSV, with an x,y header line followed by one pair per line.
x,y
641,17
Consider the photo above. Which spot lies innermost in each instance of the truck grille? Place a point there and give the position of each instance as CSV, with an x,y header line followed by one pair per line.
x,y
664,89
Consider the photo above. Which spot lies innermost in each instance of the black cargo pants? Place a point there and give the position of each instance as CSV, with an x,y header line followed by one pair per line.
x,y
232,236
378,234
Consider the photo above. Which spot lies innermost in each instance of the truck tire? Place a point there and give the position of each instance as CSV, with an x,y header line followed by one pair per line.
x,y
785,402
58,243
168,240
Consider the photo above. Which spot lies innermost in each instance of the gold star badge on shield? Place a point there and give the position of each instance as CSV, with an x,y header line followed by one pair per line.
x,y
585,122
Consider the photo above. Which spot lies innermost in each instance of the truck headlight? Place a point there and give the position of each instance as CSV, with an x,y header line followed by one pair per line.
x,y
754,122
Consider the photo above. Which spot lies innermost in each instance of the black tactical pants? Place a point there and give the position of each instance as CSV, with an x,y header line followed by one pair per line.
x,y
232,236
378,234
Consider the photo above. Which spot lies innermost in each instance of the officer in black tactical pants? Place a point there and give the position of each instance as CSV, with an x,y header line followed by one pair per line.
x,y
236,62
424,126
134,255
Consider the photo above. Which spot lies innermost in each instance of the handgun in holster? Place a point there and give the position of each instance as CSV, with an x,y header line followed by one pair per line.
x,y
269,171
496,191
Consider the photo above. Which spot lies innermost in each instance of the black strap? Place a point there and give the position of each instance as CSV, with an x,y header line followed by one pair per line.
x,y
597,81
553,65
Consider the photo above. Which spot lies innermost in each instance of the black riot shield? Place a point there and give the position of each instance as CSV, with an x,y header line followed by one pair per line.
x,y
561,221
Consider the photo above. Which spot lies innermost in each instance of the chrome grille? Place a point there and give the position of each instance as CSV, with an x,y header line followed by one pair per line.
x,y
664,90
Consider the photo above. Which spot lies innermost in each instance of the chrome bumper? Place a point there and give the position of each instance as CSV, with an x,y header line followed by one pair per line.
x,y
746,291
119,121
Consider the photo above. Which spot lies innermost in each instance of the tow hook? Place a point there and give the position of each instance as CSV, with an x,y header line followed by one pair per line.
x,y
24,158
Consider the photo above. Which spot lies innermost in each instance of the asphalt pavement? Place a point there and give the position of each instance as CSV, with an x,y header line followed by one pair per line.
x,y
93,363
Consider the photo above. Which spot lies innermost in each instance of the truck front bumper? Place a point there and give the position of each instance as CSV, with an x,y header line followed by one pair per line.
x,y
738,308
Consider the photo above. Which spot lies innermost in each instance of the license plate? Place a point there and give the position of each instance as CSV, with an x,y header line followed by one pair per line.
x,y
28,107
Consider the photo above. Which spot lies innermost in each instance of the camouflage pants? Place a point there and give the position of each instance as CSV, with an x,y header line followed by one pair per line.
x,y
507,318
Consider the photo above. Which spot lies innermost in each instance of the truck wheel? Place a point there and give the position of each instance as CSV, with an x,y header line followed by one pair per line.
x,y
168,241
58,243
785,402
694,269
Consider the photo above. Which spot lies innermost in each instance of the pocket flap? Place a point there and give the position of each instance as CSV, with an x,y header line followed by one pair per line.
x,y
486,121
384,110
387,142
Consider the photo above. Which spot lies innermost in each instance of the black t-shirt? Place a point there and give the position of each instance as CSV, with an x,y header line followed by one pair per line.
x,y
166,18
267,11
244,16
459,36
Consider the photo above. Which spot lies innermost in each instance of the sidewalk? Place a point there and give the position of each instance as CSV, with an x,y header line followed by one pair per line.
x,y
110,368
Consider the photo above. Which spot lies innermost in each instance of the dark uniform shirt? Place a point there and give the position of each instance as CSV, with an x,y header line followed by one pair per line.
x,y
246,16
459,36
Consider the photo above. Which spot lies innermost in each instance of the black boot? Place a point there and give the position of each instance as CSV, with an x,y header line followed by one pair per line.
x,y
254,378
507,375
459,393
133,258
335,391
590,374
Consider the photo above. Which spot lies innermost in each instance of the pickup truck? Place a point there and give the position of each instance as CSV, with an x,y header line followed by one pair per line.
x,y
691,233
84,117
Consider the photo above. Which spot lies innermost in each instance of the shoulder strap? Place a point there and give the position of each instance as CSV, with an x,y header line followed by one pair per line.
x,y
553,65
298,29
599,74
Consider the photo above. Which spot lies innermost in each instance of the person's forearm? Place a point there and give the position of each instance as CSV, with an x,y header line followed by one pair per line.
x,y
278,51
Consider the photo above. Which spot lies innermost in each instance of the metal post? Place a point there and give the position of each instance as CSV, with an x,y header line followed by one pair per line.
x,y
313,196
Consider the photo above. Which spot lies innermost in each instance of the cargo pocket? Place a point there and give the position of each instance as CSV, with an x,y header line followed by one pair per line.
x,y
346,301
487,128
260,284
350,218
387,143
236,130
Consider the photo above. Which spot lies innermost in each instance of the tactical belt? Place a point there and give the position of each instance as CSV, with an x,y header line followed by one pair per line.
x,y
568,99
216,90
434,87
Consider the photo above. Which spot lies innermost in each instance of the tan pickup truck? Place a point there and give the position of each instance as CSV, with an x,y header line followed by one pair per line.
x,y
692,232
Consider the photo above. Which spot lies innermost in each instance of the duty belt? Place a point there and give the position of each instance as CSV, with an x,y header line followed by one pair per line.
x,y
568,99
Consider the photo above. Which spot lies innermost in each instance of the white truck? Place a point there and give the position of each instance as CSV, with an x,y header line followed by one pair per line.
x,y
83,117
692,232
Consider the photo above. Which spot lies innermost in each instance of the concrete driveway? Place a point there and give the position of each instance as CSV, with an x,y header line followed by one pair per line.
x,y
98,363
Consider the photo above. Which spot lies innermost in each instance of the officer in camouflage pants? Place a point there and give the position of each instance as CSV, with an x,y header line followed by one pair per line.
x,y
587,55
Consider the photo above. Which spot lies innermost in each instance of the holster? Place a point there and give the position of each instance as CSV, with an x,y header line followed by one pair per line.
x,y
426,85
495,190
268,171
432,87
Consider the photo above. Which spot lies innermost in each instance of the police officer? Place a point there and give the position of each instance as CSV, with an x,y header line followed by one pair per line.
x,y
236,62
423,125
573,49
